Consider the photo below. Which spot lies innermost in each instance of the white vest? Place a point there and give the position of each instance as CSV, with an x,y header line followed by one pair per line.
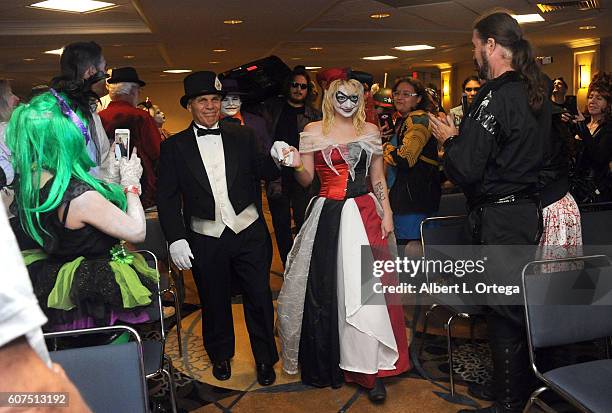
x,y
213,157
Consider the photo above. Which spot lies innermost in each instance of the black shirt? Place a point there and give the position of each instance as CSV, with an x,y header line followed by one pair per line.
x,y
499,150
287,130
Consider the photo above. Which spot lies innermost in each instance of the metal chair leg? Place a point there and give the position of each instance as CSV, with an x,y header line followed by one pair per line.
x,y
169,373
449,335
425,325
177,312
533,398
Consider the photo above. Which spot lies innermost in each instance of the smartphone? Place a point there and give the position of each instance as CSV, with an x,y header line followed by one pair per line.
x,y
385,119
571,105
122,143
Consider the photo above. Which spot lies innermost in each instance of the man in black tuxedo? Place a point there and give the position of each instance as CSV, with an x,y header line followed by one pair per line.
x,y
207,202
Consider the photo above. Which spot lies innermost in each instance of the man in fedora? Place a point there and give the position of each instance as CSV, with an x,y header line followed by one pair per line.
x,y
207,202
122,113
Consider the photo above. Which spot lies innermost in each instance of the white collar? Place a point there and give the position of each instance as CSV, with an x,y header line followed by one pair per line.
x,y
198,126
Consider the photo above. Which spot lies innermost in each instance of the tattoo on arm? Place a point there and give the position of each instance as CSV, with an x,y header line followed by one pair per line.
x,y
379,191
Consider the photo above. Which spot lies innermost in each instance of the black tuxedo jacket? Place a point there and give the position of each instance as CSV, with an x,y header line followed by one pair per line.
x,y
183,188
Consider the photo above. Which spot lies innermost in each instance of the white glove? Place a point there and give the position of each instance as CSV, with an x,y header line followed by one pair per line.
x,y
113,175
277,153
130,170
180,253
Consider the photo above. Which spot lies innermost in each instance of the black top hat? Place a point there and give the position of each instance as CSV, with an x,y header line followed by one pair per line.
x,y
201,83
230,87
125,74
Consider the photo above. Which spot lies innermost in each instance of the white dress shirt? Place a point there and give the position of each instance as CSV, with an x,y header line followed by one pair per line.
x,y
213,157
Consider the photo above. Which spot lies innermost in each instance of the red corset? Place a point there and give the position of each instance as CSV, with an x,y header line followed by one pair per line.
x,y
333,186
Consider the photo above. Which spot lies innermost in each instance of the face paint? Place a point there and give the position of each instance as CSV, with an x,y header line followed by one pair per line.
x,y
230,105
345,103
159,117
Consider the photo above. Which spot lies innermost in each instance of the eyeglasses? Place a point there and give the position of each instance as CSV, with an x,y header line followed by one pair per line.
x,y
302,86
472,89
404,94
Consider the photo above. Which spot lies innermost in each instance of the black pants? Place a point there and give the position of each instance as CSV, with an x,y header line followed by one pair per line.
x,y
292,198
241,258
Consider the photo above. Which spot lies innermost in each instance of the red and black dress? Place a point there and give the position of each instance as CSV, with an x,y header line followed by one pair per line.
x,y
329,320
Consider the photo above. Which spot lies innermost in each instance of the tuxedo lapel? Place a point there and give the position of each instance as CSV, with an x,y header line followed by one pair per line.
x,y
231,151
188,147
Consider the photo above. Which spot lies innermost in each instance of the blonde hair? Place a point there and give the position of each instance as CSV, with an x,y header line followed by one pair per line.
x,y
359,118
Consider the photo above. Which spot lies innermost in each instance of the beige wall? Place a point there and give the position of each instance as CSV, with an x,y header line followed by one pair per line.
x,y
166,95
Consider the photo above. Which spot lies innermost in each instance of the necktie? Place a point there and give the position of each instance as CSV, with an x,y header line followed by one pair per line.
x,y
204,132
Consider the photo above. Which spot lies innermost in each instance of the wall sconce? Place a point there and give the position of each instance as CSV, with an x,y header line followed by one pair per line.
x,y
445,88
584,76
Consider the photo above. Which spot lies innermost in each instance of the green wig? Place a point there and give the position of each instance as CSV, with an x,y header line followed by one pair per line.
x,y
41,137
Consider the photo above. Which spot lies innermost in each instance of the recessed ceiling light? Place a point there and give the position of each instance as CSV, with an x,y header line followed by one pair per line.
x,y
385,57
414,47
214,62
528,18
296,58
175,71
28,59
428,60
56,51
587,27
379,15
128,56
219,50
312,67
316,49
163,75
233,21
73,6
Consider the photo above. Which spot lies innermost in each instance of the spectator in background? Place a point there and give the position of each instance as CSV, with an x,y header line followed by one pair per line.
x,y
124,90
8,102
594,128
81,79
286,118
559,91
158,116
470,87
412,155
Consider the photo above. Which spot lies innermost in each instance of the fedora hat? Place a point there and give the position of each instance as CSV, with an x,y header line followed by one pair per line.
x,y
125,74
201,83
230,87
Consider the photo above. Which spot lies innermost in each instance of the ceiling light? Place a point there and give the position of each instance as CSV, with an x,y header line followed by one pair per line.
x,y
316,48
56,51
128,56
379,15
163,75
28,59
428,60
296,58
214,62
587,27
233,21
73,6
312,67
219,50
175,71
528,18
414,47
385,57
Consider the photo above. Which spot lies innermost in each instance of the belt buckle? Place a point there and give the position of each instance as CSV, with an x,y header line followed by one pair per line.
x,y
506,200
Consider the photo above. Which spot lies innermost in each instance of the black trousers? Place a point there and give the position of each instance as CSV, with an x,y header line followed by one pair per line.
x,y
293,198
241,258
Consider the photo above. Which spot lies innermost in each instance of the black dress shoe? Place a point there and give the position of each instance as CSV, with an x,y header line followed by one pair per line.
x,y
222,370
378,393
265,374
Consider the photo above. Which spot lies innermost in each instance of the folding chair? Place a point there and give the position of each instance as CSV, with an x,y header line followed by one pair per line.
x,y
585,385
448,230
110,378
156,243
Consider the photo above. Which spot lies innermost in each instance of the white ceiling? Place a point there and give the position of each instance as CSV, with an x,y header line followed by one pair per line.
x,y
165,34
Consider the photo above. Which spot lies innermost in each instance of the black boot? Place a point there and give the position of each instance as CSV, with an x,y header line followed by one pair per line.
x,y
512,377
378,393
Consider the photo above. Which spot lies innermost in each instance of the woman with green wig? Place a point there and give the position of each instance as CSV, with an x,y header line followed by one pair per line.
x,y
82,275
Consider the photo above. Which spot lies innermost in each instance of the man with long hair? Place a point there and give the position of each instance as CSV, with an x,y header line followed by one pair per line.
x,y
496,158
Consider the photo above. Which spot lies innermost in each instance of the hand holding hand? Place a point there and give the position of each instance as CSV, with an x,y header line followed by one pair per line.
x,y
181,254
292,157
278,153
130,170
